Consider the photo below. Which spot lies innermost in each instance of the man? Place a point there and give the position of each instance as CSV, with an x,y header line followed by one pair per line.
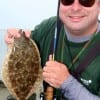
x,y
77,33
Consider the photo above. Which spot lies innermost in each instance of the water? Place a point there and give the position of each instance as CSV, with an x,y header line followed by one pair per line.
x,y
3,49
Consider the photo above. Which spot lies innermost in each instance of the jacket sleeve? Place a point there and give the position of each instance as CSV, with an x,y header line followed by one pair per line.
x,y
73,90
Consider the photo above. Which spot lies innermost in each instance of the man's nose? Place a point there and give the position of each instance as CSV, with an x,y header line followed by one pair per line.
x,y
76,5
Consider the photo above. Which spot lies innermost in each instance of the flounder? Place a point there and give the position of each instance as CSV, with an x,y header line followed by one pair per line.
x,y
21,71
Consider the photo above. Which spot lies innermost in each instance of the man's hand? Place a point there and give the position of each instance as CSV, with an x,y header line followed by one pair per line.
x,y
14,33
55,73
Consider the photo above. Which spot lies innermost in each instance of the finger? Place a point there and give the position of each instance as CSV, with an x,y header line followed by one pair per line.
x,y
13,33
50,57
46,75
10,35
8,39
27,33
49,69
51,82
47,78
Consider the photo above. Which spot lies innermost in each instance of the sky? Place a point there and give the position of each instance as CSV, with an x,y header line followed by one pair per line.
x,y
25,13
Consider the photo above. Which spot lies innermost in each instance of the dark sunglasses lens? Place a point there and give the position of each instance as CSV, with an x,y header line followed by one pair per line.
x,y
87,3
67,2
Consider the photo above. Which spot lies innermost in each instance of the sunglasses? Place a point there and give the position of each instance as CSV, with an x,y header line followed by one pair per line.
x,y
85,3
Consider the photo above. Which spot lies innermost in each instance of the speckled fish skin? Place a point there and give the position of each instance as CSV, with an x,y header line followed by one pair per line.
x,y
21,71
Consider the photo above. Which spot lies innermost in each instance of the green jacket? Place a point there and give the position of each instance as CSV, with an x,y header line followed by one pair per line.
x,y
43,35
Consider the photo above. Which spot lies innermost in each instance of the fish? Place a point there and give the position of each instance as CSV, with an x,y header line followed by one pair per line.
x,y
21,69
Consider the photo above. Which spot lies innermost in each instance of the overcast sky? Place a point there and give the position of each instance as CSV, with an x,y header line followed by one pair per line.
x,y
25,13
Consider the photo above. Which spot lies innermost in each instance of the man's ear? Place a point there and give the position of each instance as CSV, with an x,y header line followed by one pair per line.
x,y
99,5
99,10
99,17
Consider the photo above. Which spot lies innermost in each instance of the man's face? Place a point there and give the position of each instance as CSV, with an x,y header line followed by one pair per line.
x,y
77,17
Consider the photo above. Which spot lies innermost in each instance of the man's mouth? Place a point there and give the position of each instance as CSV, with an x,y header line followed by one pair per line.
x,y
76,18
